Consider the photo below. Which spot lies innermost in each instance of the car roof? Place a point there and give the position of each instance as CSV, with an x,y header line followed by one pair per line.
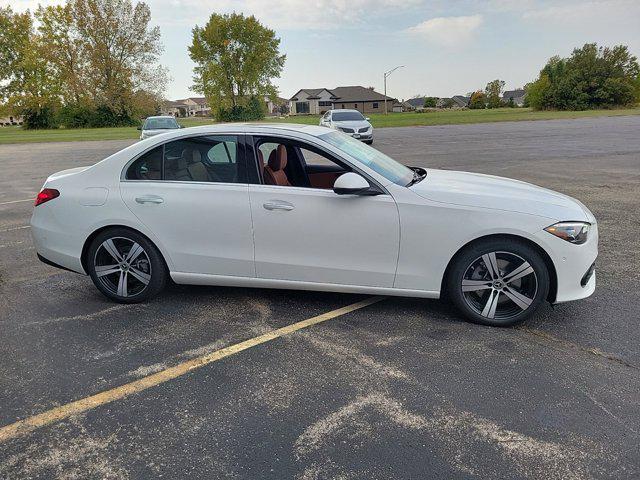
x,y
161,116
344,110
264,128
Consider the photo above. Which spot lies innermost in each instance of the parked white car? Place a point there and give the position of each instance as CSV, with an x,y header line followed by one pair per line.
x,y
351,122
153,126
306,207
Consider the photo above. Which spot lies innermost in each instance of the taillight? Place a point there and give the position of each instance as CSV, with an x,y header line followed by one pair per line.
x,y
45,195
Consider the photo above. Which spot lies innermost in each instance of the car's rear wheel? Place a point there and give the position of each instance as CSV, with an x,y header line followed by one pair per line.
x,y
498,282
125,266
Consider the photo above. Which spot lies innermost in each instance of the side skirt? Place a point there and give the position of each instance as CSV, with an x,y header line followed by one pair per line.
x,y
252,282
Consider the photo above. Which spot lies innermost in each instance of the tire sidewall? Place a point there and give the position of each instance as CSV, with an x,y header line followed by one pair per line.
x,y
158,267
469,255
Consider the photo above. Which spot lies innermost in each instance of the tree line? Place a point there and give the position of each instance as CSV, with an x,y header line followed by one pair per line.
x,y
87,63
592,77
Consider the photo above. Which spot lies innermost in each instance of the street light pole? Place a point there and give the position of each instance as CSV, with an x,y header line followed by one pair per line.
x,y
386,74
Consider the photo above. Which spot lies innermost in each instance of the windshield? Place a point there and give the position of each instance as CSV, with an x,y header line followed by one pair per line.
x,y
369,156
160,123
347,117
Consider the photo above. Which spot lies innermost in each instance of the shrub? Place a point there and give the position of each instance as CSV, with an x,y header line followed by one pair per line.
x,y
253,110
39,118
88,116
592,77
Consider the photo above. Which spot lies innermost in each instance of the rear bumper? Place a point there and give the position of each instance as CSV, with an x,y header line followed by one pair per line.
x,y
55,245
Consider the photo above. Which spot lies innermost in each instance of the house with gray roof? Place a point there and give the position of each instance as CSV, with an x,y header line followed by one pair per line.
x,y
316,101
517,96
461,100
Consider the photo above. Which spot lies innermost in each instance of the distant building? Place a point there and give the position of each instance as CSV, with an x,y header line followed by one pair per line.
x,y
416,103
316,101
517,96
8,121
461,100
187,107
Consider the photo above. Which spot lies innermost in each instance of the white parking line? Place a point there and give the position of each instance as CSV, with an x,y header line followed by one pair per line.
x,y
17,201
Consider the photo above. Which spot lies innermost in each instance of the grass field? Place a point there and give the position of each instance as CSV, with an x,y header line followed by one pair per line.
x,y
446,117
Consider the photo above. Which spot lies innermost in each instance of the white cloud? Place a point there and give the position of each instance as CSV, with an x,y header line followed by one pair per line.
x,y
448,31
281,14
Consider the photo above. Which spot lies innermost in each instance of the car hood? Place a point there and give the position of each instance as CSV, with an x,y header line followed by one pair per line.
x,y
488,191
353,124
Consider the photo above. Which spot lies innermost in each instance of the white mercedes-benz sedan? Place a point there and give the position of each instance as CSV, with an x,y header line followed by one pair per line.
x,y
307,207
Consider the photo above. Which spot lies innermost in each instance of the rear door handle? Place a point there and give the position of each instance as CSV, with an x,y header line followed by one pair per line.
x,y
150,199
278,206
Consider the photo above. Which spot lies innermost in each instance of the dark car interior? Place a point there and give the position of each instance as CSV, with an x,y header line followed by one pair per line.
x,y
290,163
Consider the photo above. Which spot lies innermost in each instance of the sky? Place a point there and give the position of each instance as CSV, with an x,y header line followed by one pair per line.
x,y
446,47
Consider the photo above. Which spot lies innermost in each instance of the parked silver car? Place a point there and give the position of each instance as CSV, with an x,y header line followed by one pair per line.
x,y
156,125
351,122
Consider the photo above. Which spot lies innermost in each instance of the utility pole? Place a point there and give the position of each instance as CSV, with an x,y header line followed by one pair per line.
x,y
386,74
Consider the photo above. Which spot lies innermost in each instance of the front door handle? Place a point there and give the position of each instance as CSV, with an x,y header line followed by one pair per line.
x,y
278,206
150,199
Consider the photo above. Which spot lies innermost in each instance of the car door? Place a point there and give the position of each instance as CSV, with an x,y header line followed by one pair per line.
x,y
192,194
315,235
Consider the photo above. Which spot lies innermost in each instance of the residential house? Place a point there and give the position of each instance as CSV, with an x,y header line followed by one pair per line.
x,y
365,100
311,101
187,107
461,101
416,103
273,106
517,96
8,121
319,100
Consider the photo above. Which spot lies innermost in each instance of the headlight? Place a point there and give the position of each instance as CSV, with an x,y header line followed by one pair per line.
x,y
574,232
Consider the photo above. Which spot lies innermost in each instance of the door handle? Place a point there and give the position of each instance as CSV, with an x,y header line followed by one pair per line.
x,y
150,199
278,206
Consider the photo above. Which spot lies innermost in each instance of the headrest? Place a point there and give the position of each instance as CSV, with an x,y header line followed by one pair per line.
x,y
278,158
189,156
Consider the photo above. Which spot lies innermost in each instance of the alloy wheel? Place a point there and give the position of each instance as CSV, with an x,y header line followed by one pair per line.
x,y
122,266
499,285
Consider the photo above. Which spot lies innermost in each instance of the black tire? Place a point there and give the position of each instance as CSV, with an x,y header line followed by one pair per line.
x,y
122,281
501,300
369,142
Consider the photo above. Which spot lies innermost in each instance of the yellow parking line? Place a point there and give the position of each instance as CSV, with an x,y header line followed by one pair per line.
x,y
17,201
27,425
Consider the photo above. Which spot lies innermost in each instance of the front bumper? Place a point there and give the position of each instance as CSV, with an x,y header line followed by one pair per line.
x,y
365,137
574,265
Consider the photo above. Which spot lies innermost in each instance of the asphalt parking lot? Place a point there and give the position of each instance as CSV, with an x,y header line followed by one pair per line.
x,y
401,388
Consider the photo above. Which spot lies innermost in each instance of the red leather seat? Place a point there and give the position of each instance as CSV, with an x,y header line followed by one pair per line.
x,y
274,170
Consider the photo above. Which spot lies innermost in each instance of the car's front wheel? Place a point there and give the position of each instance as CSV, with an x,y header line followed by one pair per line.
x,y
498,282
125,266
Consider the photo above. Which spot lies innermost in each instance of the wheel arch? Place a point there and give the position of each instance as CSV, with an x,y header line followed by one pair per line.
x,y
95,233
553,276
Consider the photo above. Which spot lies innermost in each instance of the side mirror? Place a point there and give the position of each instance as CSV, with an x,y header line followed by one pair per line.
x,y
351,184
367,119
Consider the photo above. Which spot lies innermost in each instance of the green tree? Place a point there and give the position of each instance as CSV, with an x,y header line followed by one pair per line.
x,y
236,59
592,77
478,100
430,102
106,54
493,93
29,85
